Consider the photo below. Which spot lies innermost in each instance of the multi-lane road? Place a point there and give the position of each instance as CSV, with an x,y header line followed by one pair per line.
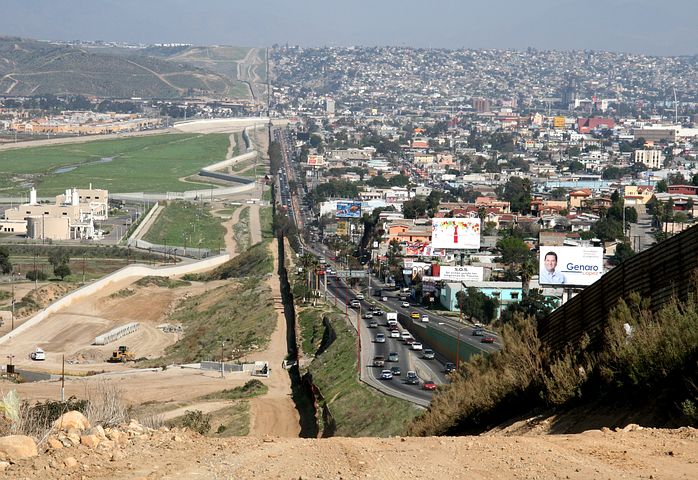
x,y
340,294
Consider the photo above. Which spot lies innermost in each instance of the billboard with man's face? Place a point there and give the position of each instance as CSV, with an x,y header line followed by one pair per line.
x,y
348,210
570,266
457,233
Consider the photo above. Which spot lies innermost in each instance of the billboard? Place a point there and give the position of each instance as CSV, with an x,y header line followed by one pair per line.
x,y
574,266
343,228
316,160
462,274
455,233
348,210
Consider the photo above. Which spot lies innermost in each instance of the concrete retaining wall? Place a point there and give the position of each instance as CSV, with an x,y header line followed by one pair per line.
x,y
132,271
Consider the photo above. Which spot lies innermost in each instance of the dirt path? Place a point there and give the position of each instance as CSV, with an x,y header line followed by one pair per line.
x,y
255,225
275,414
231,147
230,245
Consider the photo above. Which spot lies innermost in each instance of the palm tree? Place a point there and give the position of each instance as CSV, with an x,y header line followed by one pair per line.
x,y
526,270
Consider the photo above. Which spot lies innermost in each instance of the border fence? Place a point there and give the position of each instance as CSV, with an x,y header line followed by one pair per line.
x,y
658,274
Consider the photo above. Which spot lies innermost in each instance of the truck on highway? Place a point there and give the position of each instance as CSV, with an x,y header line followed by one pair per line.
x,y
391,317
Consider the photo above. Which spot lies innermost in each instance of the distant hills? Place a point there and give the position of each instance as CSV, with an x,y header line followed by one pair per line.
x,y
30,67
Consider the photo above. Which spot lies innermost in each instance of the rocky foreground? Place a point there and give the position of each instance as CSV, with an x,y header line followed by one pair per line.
x,y
76,450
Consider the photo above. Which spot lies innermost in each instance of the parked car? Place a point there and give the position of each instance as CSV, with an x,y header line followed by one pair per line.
x,y
415,315
487,339
411,378
396,371
416,346
393,357
405,304
380,338
449,367
429,385
428,353
386,375
378,361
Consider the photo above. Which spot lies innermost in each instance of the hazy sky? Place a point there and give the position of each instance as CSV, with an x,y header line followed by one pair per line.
x,y
656,27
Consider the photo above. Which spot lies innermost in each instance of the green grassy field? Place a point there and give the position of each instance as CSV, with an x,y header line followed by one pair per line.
x,y
151,163
185,220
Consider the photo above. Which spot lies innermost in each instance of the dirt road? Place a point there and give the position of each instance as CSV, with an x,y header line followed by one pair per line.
x,y
275,413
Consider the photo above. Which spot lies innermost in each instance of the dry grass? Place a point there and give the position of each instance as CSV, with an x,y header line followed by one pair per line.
x,y
105,404
659,354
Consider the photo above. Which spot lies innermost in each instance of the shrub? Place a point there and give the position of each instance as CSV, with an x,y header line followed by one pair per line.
x,y
36,275
197,421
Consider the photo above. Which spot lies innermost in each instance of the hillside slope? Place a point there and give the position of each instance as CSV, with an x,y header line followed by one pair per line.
x,y
30,67
647,453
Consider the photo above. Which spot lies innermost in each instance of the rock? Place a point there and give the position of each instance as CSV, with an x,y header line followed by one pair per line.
x,y
3,466
74,438
116,456
70,462
72,419
99,431
54,443
14,447
90,441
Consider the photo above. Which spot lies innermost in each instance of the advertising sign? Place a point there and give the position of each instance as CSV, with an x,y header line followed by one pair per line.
x,y
415,249
462,274
343,228
457,233
349,209
574,266
316,160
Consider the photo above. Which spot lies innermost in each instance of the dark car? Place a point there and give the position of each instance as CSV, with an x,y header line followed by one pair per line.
x,y
429,385
412,378
396,371
487,339
449,367
478,332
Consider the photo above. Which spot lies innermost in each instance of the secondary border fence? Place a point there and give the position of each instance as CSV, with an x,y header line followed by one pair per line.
x,y
116,333
658,274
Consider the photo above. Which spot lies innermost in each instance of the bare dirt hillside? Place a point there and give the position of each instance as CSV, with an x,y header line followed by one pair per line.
x,y
649,454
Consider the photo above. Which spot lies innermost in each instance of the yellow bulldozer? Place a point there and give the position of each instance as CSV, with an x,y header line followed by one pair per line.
x,y
122,355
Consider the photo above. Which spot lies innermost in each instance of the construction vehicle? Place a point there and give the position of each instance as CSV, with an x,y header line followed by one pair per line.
x,y
121,355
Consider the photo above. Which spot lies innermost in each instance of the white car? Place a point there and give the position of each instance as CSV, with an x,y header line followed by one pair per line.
x,y
425,318
386,375
405,334
360,296
394,334
380,338
405,304
417,346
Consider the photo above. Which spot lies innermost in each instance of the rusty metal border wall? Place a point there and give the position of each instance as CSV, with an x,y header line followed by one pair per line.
x,y
658,273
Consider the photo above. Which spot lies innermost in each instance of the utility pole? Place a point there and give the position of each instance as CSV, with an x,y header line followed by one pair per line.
x,y
222,374
63,380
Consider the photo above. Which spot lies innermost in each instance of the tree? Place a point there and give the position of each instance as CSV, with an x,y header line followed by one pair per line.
x,y
476,305
513,250
58,256
676,178
535,305
414,208
36,275
517,191
623,252
608,229
662,186
5,265
62,270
